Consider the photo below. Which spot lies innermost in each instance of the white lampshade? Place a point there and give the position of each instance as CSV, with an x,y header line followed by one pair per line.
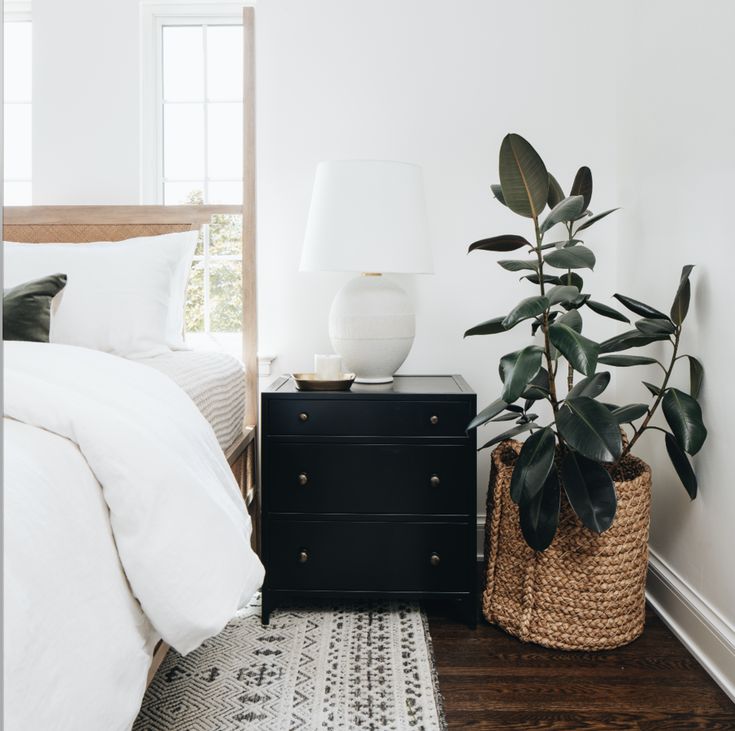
x,y
367,216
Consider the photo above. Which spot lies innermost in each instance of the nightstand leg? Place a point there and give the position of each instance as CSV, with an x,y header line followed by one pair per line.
x,y
265,609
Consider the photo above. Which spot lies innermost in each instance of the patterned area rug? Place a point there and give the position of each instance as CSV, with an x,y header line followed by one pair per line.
x,y
317,668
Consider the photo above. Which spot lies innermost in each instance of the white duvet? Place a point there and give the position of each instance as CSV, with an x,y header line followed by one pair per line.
x,y
122,523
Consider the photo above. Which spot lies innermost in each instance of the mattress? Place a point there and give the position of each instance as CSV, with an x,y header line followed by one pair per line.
x,y
215,382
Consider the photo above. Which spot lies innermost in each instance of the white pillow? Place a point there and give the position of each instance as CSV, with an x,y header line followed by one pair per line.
x,y
124,297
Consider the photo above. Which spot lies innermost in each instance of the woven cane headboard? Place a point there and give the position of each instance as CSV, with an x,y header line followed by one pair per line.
x,y
82,224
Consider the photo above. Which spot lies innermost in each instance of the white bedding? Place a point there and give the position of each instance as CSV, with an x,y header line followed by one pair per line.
x,y
123,523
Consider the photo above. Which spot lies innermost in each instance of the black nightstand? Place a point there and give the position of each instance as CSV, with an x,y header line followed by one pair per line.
x,y
370,493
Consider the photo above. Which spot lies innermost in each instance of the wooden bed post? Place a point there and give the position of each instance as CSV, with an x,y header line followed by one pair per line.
x,y
249,294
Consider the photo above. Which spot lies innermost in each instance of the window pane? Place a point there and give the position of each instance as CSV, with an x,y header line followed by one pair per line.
x,y
224,62
183,193
224,140
17,141
225,235
183,141
225,296
183,63
194,314
17,61
225,192
17,194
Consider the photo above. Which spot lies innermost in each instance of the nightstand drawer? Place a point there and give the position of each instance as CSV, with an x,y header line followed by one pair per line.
x,y
409,479
317,417
365,556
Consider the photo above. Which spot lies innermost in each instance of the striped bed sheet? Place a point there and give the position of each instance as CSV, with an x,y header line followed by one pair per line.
x,y
215,382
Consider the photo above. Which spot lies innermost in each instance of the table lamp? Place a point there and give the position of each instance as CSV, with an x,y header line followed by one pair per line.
x,y
369,216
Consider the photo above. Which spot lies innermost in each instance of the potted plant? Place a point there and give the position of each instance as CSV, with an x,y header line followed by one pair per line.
x,y
568,509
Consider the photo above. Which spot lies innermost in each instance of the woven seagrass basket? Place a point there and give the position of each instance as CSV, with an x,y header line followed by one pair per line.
x,y
587,590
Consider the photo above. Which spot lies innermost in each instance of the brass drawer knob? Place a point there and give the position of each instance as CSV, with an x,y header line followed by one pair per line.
x,y
434,420
434,481
435,560
303,555
303,416
303,478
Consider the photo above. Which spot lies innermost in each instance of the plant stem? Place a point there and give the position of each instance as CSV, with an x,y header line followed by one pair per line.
x,y
570,369
652,410
545,323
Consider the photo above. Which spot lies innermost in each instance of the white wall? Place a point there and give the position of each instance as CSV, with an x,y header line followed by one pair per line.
x,y
85,101
677,181
438,84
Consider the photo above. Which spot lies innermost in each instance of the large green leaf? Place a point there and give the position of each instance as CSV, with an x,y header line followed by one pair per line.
x,y
575,257
506,242
538,386
684,416
566,210
655,390
517,369
590,490
627,340
624,361
533,465
525,309
576,303
572,279
577,349
655,326
489,327
696,376
640,308
595,219
556,194
682,465
571,319
539,517
523,177
509,434
495,408
606,311
683,294
588,427
562,293
498,193
591,387
518,265
582,185
628,413
548,279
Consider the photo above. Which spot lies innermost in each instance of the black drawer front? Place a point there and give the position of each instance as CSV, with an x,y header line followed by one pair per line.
x,y
315,417
371,478
362,556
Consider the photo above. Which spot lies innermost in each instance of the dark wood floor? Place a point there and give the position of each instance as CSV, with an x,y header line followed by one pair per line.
x,y
490,680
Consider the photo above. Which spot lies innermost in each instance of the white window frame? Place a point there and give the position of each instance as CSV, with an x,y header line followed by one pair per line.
x,y
154,16
18,11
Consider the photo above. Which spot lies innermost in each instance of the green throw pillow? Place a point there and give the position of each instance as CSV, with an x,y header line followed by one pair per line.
x,y
27,308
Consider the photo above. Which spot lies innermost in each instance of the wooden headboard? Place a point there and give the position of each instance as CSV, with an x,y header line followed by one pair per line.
x,y
81,224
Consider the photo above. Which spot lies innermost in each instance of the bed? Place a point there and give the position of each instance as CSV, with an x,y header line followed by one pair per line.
x,y
194,390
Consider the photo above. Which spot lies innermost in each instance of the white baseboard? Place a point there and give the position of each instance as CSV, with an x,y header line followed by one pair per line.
x,y
706,635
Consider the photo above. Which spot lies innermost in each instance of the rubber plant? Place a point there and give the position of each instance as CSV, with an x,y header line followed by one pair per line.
x,y
577,452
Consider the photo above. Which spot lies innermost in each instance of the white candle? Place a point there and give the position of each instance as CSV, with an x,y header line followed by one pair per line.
x,y
328,367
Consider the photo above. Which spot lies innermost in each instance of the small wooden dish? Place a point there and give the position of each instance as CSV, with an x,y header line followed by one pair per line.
x,y
309,382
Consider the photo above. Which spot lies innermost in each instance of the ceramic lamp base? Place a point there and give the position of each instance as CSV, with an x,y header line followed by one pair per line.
x,y
372,326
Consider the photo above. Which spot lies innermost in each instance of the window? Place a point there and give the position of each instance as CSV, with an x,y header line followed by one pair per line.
x,y
17,110
198,154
